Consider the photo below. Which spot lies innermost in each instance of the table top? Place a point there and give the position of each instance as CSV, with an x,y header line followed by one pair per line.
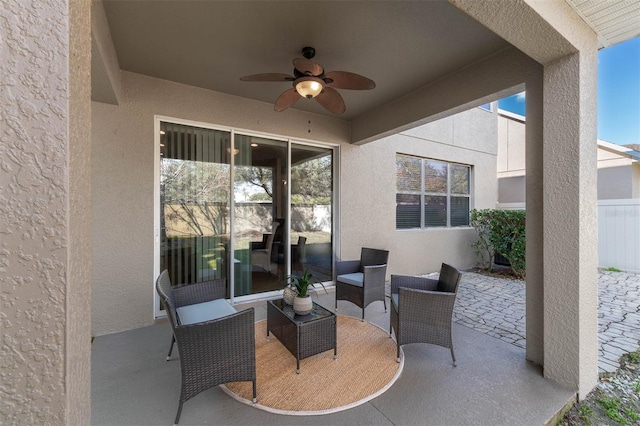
x,y
317,313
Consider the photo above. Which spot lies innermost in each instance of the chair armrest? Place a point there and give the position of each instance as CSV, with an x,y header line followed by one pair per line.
x,y
203,291
374,276
260,245
432,306
408,281
347,266
256,245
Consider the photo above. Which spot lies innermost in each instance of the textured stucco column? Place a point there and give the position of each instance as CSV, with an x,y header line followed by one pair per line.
x,y
570,221
45,212
534,220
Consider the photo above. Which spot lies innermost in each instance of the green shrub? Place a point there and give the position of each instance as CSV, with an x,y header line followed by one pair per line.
x,y
500,231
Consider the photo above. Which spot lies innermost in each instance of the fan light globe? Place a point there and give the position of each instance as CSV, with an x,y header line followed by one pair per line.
x,y
309,87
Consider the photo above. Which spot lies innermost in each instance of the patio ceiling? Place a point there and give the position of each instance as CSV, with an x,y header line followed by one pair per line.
x,y
401,45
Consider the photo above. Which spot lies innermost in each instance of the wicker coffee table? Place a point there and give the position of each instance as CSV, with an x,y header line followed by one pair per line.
x,y
305,335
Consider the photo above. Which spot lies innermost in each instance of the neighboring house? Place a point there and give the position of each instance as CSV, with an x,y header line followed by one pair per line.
x,y
618,166
618,172
618,191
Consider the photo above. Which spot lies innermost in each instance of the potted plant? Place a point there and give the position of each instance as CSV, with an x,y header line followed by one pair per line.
x,y
301,284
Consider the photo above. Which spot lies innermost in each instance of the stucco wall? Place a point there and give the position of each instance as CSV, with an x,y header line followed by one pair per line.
x,y
511,189
123,182
368,191
123,186
44,217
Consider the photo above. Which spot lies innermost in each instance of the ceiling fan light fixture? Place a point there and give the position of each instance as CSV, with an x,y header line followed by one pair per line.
x,y
309,87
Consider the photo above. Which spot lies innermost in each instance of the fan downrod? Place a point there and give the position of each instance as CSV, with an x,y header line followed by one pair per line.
x,y
308,52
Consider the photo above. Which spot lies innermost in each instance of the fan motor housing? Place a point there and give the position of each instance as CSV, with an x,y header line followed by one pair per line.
x,y
308,52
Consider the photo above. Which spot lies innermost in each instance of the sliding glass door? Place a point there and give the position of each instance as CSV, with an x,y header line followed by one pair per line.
x,y
246,208
194,203
260,214
312,210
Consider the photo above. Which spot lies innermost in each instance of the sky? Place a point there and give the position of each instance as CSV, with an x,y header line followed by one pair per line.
x,y
618,94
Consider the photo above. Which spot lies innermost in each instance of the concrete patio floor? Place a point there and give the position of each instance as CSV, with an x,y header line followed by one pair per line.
x,y
493,384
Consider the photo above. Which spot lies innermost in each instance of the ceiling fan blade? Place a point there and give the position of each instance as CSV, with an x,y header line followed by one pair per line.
x,y
349,80
268,77
286,99
307,67
331,100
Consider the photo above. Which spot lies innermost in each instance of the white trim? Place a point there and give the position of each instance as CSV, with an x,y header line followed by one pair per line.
x,y
245,132
335,218
511,206
620,202
334,147
157,312
512,115
619,149
232,217
287,220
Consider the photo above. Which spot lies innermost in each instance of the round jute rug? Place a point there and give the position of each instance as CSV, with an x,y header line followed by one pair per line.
x,y
365,368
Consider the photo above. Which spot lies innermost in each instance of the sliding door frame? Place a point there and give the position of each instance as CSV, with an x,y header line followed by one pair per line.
x,y
157,312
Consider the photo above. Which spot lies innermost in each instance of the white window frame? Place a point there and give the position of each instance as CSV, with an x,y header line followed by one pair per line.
x,y
423,192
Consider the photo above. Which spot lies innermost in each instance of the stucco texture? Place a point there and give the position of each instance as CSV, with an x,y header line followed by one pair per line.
x,y
123,182
123,187
368,192
39,269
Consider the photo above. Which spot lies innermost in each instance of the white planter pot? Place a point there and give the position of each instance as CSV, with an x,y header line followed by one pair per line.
x,y
302,305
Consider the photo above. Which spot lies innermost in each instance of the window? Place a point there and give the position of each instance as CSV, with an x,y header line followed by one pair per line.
x,y
431,193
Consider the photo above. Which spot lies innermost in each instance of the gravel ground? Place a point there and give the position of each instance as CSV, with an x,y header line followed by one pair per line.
x,y
615,401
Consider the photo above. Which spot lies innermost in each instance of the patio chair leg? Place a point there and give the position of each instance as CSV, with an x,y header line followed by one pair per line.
x,y
385,304
454,357
173,340
179,412
362,314
398,353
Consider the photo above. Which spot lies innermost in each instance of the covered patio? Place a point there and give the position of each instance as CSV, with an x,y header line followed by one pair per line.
x,y
79,178
492,384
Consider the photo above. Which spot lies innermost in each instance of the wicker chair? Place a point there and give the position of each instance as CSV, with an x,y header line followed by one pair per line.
x,y
298,253
212,351
362,281
261,257
422,308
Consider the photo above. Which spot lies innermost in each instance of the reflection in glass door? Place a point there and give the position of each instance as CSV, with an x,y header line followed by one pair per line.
x,y
194,203
311,210
280,228
260,212
246,208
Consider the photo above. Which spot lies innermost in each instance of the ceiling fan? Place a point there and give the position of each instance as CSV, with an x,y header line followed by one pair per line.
x,y
310,81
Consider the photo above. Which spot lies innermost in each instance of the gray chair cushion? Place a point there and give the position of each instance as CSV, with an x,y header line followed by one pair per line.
x,y
353,279
206,311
